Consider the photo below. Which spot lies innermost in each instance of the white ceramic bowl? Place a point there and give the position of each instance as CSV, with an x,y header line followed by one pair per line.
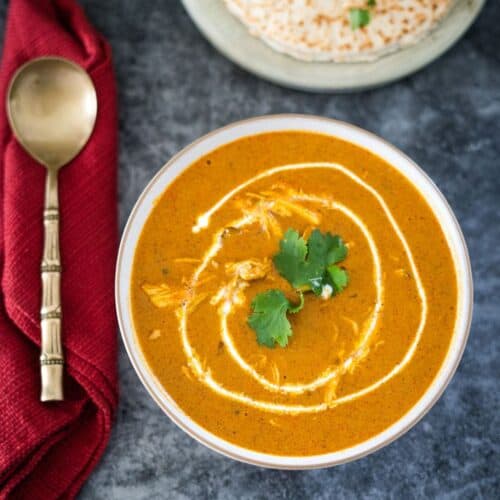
x,y
183,160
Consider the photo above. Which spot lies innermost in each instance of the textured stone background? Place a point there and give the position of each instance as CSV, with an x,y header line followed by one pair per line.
x,y
174,87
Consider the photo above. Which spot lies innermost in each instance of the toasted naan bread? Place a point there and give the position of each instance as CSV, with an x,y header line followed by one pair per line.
x,y
320,30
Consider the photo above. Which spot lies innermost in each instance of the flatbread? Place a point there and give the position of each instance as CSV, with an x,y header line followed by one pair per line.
x,y
320,30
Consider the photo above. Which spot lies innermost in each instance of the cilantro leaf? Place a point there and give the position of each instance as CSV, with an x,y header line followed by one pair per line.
x,y
337,250
269,318
371,3
359,18
339,277
304,265
291,258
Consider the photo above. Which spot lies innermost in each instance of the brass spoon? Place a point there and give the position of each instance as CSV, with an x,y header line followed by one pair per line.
x,y
52,107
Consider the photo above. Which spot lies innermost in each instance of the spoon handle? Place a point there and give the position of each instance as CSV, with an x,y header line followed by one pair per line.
x,y
51,357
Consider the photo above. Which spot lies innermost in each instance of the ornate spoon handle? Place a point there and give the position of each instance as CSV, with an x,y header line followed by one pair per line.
x,y
51,358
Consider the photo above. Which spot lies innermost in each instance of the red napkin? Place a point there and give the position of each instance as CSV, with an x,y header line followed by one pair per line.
x,y
48,450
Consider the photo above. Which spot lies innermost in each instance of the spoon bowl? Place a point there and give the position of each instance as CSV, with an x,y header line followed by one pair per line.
x,y
52,109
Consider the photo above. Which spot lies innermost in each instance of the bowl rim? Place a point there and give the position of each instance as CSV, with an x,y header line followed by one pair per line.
x,y
361,138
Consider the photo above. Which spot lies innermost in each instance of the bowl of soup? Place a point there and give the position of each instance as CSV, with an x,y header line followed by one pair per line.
x,y
293,291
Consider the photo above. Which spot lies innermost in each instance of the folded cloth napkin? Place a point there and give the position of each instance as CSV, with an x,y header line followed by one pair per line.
x,y
48,450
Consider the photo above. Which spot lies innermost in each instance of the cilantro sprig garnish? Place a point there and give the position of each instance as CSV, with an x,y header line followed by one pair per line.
x,y
361,17
307,266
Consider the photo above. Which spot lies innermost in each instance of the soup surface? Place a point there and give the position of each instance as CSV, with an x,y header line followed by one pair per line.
x,y
356,361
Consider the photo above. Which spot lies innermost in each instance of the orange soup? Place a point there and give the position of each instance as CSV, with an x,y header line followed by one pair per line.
x,y
293,293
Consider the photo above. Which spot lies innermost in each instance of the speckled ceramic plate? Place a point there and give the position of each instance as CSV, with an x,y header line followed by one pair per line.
x,y
232,39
